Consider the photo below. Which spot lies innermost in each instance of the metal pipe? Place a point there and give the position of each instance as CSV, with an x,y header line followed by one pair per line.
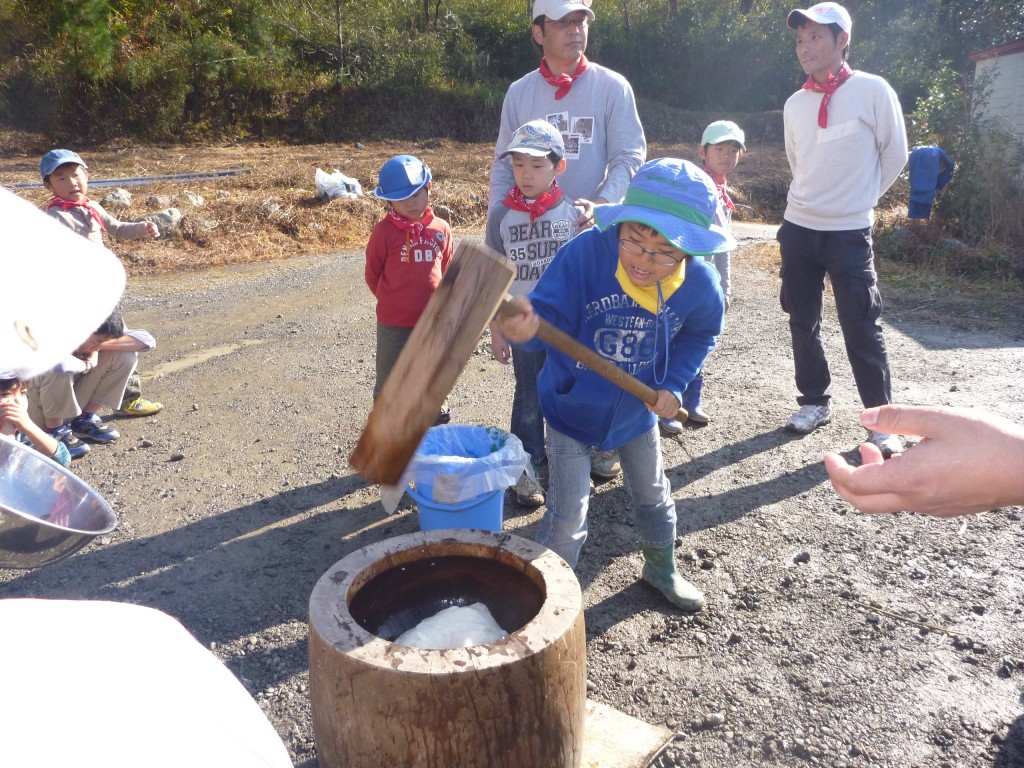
x,y
135,181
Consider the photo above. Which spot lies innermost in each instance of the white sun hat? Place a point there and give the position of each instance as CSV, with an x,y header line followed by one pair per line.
x,y
58,288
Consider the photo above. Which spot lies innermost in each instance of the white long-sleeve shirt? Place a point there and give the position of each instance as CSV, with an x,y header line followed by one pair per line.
x,y
841,171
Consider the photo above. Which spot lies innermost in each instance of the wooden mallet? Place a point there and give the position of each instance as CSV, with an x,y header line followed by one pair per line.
x,y
471,292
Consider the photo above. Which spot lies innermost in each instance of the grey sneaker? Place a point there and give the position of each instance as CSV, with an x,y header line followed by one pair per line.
x,y
528,491
887,444
605,464
670,427
809,418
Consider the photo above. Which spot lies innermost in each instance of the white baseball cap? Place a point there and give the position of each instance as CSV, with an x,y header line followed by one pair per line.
x,y
59,288
556,9
822,13
723,130
537,138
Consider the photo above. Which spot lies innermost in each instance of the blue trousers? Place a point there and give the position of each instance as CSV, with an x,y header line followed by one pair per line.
x,y
848,260
527,420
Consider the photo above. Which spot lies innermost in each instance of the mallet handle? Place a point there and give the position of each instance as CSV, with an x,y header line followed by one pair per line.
x,y
566,344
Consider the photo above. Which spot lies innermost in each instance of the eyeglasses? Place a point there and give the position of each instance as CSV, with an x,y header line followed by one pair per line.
x,y
662,258
565,24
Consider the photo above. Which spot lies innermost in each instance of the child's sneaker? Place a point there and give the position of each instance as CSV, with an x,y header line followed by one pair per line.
x,y
140,406
76,448
528,491
92,428
670,427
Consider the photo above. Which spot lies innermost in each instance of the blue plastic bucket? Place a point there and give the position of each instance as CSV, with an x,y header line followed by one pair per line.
x,y
483,512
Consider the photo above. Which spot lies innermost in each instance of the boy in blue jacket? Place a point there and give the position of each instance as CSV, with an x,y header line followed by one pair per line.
x,y
630,290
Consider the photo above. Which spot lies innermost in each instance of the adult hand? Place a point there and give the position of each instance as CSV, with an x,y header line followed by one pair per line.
x,y
586,218
967,461
152,229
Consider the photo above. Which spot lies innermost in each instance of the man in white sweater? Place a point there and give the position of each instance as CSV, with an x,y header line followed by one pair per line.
x,y
595,111
846,144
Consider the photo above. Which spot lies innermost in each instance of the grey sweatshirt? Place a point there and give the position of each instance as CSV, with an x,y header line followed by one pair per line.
x,y
604,140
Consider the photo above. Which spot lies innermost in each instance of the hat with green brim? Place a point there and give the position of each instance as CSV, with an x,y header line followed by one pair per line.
x,y
676,199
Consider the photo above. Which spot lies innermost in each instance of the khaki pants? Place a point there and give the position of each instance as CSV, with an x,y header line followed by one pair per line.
x,y
61,395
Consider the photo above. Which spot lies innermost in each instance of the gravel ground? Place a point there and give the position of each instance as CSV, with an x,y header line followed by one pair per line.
x,y
830,638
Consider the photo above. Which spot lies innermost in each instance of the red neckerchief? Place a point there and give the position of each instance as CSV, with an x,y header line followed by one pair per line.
x,y
60,202
516,200
722,193
562,82
414,229
828,88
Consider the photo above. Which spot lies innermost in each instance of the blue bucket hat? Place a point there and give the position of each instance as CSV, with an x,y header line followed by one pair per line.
x,y
402,177
55,158
678,200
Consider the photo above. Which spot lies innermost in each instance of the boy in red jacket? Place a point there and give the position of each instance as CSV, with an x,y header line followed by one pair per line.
x,y
406,255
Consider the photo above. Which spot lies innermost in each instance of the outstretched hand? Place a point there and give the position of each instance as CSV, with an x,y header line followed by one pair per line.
x,y
967,461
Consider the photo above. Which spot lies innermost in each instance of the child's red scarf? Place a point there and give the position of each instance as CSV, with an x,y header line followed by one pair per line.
x,y
64,205
414,229
828,88
516,200
564,81
723,195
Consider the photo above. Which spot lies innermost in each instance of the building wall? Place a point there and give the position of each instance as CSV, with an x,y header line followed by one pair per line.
x,y
1006,89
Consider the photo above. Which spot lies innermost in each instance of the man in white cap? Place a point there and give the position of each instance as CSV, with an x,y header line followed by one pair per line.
x,y
846,144
593,108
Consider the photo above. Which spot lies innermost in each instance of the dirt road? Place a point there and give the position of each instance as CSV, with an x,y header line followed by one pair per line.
x,y
829,639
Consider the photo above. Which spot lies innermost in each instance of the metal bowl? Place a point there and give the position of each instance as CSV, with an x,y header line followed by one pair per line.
x,y
46,512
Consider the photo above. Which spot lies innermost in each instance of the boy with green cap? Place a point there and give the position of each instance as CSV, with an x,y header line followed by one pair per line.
x,y
632,291
721,149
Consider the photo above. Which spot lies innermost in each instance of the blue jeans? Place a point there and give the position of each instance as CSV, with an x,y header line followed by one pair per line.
x,y
527,420
563,528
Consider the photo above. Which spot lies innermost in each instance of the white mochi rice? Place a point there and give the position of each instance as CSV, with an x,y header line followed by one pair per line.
x,y
455,627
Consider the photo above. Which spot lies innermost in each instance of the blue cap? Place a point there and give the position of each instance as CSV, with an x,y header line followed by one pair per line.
x,y
678,200
402,177
55,158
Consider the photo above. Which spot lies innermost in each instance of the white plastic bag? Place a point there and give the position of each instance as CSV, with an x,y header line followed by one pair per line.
x,y
459,462
337,185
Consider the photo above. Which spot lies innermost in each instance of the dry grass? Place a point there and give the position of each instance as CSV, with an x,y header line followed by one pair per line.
x,y
238,223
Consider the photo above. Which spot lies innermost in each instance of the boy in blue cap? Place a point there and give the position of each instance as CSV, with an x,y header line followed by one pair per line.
x,y
66,176
631,291
406,256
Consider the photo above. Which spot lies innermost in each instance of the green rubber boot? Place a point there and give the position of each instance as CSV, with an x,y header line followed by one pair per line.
x,y
660,572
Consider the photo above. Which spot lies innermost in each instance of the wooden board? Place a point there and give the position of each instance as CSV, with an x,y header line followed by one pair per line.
x,y
613,739
430,363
